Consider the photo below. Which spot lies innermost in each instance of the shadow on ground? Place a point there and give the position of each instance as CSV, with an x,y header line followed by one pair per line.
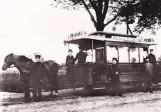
x,y
17,98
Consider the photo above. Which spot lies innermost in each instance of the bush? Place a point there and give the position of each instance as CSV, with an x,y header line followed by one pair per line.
x,y
11,82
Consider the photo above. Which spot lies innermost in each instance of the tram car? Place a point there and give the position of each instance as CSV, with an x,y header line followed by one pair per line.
x,y
130,50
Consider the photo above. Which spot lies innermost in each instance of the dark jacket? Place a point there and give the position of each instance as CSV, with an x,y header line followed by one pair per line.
x,y
152,58
113,70
148,69
69,60
81,57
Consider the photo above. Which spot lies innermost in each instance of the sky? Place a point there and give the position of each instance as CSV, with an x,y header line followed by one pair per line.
x,y
28,26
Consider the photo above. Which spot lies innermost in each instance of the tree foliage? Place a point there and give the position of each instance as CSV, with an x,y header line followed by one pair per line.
x,y
145,13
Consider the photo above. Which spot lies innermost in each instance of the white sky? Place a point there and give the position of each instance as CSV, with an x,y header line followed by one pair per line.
x,y
28,26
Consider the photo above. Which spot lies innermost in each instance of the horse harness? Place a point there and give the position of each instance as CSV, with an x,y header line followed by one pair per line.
x,y
31,71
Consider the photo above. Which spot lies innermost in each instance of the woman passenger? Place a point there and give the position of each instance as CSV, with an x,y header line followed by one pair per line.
x,y
115,79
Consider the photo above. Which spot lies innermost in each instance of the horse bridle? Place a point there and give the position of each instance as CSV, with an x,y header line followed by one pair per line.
x,y
10,63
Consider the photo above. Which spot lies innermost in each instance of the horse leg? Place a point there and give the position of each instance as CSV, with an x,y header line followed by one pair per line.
x,y
39,94
52,83
55,84
34,91
26,89
40,91
27,95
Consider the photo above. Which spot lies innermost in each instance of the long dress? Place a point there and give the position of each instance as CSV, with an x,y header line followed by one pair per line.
x,y
70,64
115,79
148,69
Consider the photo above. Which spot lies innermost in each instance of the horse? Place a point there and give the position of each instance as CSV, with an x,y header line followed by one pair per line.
x,y
34,72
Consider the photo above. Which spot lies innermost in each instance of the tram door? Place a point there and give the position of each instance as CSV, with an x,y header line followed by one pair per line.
x,y
100,55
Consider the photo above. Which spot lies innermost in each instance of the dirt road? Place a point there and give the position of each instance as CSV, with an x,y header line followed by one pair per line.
x,y
130,102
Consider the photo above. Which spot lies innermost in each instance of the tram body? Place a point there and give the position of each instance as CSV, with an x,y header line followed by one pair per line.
x,y
96,73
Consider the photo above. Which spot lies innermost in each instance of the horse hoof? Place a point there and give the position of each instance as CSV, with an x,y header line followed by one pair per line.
x,y
27,100
39,99
55,94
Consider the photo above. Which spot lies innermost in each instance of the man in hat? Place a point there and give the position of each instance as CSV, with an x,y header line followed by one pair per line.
x,y
152,57
152,60
81,56
148,69
69,64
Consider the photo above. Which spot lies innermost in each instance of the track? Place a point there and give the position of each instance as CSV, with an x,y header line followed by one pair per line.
x,y
82,101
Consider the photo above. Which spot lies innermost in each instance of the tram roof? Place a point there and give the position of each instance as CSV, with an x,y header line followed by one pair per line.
x,y
111,39
108,34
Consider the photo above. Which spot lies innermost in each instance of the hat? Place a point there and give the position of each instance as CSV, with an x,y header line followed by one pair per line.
x,y
114,59
146,58
37,54
70,50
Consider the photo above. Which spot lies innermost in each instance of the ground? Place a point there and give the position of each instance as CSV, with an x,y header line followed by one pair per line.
x,y
79,101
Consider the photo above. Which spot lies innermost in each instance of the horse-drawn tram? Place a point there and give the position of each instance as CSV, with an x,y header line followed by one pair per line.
x,y
128,49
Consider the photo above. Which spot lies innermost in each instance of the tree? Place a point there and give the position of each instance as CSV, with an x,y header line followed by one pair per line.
x,y
145,13
149,15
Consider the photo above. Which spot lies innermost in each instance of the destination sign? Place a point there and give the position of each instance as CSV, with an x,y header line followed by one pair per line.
x,y
77,34
124,39
149,40
127,39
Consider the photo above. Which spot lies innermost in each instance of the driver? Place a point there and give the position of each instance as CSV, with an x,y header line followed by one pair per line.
x,y
81,56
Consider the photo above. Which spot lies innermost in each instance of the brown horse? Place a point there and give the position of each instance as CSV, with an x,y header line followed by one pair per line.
x,y
34,72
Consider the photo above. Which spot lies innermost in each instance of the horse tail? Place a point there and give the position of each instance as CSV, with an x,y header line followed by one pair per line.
x,y
55,78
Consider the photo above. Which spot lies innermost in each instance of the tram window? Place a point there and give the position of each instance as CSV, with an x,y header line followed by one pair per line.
x,y
143,54
123,55
111,52
134,56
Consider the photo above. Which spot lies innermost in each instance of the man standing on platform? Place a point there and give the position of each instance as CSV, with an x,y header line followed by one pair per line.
x,y
152,60
70,64
81,56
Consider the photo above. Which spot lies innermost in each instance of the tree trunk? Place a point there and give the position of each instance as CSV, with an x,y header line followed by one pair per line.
x,y
100,22
100,26
100,19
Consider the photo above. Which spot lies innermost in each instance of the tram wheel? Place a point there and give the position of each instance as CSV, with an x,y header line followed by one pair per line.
x,y
88,87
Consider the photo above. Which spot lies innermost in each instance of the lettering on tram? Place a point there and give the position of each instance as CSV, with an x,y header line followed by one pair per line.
x,y
118,38
149,40
77,34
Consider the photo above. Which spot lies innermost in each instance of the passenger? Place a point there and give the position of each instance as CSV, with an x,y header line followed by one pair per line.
x,y
69,64
133,60
152,57
89,57
148,69
81,56
152,60
115,79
